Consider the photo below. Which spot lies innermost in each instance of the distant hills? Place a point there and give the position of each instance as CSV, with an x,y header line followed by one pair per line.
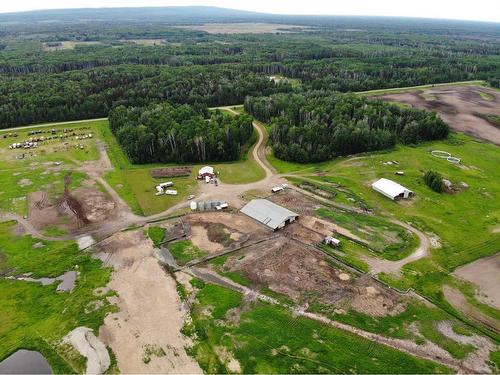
x,y
174,14
178,15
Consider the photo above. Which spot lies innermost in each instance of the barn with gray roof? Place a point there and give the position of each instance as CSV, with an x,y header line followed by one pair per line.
x,y
268,213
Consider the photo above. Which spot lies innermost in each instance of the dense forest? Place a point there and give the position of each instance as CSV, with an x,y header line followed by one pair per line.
x,y
56,67
319,125
166,133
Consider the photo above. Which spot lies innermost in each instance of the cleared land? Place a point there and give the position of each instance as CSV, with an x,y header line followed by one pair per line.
x,y
246,28
485,274
145,333
462,107
287,276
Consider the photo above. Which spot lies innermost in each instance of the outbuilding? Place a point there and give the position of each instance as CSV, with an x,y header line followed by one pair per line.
x,y
391,189
329,240
268,213
205,172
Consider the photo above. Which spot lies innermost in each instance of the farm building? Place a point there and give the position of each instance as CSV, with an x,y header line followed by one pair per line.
x,y
269,213
205,172
329,240
391,189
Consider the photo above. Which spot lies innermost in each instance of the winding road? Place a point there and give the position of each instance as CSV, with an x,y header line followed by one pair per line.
x,y
232,193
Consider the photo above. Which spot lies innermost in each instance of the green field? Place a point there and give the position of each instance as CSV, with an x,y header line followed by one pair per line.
x,y
184,251
267,339
37,317
466,223
16,187
136,186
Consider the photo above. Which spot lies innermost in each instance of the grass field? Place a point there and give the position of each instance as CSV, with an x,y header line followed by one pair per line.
x,y
184,251
391,241
16,187
37,317
466,223
136,186
264,338
52,151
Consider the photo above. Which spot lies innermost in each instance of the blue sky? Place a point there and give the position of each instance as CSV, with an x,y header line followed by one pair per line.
x,y
482,10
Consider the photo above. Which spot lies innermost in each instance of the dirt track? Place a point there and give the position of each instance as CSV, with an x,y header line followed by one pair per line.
x,y
150,314
428,351
378,265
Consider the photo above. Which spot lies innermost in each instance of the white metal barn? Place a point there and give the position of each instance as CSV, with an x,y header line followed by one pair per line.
x,y
391,189
268,213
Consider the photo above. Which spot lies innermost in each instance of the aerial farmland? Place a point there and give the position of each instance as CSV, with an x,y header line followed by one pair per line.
x,y
286,230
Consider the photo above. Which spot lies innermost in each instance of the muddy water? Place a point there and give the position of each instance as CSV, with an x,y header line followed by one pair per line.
x,y
68,280
25,362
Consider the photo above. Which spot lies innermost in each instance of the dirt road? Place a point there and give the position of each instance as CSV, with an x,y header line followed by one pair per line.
x,y
429,350
145,334
378,265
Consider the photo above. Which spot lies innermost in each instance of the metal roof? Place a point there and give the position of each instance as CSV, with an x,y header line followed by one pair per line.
x,y
389,188
206,169
268,213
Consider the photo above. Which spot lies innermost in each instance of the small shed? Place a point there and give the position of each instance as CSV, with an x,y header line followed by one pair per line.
x,y
329,240
391,189
205,172
268,213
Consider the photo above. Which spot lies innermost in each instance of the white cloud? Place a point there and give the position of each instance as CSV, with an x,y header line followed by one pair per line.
x,y
484,10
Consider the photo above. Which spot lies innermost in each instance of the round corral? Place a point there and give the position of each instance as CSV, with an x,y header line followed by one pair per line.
x,y
440,154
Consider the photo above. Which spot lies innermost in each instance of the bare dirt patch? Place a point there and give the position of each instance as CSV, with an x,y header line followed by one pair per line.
x,y
235,222
458,300
97,205
458,106
246,28
199,238
296,202
479,358
306,276
70,212
150,309
485,273
327,228
171,172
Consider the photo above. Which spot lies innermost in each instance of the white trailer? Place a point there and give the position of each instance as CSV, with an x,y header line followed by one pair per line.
x,y
221,206
329,240
171,192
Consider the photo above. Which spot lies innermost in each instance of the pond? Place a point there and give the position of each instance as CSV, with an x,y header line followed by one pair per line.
x,y
25,362
67,279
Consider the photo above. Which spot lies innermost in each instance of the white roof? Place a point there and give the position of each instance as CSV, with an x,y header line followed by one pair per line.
x,y
389,188
268,213
206,169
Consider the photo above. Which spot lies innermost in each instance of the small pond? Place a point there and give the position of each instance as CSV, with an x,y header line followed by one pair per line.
x,y
25,362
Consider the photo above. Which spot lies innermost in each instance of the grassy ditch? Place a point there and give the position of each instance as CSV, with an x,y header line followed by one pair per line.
x,y
50,315
262,338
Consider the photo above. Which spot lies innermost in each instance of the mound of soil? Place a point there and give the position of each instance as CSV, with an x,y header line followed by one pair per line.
x,y
306,276
96,205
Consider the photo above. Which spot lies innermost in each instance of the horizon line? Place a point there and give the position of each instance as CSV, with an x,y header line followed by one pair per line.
x,y
247,11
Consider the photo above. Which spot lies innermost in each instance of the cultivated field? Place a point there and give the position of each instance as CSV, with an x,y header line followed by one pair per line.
x,y
246,28
462,107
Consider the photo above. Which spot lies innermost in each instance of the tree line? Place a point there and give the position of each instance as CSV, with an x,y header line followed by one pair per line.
x,y
318,125
165,133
